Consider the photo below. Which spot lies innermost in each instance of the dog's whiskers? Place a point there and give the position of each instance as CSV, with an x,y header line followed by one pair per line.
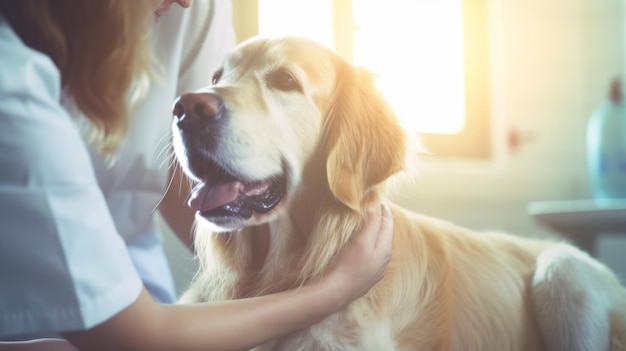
x,y
164,147
175,168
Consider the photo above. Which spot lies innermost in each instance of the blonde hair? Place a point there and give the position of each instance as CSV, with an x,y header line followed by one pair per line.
x,y
101,48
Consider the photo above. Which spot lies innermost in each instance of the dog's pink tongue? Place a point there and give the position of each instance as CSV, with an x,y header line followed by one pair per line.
x,y
205,197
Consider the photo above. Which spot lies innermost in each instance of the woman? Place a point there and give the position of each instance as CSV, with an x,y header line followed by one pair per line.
x,y
63,265
188,45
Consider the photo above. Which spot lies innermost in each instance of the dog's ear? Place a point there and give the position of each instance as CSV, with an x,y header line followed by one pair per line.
x,y
364,144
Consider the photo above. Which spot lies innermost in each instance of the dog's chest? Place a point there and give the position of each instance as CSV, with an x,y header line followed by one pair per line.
x,y
338,332
332,334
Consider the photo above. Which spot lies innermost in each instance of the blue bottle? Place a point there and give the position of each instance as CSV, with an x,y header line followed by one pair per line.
x,y
606,146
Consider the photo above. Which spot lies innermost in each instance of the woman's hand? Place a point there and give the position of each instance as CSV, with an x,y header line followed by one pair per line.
x,y
362,262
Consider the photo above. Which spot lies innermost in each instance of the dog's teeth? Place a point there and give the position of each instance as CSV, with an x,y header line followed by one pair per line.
x,y
255,189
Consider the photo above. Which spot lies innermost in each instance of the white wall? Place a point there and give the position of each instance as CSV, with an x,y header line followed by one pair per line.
x,y
551,61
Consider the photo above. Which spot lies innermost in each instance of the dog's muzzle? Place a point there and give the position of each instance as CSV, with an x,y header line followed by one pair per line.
x,y
220,193
200,119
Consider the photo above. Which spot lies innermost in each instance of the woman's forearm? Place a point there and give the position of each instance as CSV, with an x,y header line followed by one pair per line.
x,y
253,321
227,325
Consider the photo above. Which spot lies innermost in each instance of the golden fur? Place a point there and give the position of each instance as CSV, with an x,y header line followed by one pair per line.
x,y
446,288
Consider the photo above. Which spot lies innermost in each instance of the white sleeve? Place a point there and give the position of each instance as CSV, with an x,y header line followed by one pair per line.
x,y
207,37
62,264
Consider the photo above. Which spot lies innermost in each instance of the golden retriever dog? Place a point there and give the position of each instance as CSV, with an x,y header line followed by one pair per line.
x,y
289,147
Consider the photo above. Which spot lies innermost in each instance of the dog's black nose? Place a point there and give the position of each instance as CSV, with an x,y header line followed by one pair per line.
x,y
198,107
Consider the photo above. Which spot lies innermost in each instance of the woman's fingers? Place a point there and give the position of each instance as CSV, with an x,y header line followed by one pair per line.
x,y
385,233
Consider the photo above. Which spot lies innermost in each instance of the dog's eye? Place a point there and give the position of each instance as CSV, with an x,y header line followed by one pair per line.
x,y
216,76
283,80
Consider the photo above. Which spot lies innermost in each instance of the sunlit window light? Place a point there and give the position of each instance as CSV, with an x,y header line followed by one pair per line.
x,y
307,18
415,47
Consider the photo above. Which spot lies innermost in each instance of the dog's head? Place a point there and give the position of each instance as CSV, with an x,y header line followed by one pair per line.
x,y
273,107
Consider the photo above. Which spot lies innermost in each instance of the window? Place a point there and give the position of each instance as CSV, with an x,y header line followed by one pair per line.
x,y
430,57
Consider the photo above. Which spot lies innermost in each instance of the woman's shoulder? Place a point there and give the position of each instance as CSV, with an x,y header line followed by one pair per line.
x,y
34,127
23,68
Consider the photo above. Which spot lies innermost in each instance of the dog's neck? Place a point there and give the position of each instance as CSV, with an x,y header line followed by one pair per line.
x,y
259,245
297,246
281,252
